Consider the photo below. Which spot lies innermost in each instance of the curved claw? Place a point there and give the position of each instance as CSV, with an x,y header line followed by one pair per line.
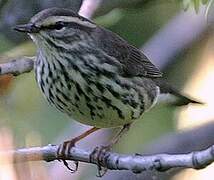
x,y
63,152
69,168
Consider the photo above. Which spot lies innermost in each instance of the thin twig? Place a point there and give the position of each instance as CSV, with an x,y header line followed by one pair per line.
x,y
114,161
17,66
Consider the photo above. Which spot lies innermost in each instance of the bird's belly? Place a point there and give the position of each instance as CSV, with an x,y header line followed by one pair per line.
x,y
101,102
98,107
100,113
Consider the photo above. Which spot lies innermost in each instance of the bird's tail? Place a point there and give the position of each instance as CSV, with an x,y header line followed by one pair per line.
x,y
170,95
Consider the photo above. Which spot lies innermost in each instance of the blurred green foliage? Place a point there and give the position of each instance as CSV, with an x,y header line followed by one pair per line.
x,y
6,45
138,25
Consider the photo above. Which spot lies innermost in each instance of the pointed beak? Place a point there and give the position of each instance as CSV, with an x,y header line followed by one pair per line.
x,y
27,28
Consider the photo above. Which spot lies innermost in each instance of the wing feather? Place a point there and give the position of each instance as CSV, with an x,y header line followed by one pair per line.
x,y
134,62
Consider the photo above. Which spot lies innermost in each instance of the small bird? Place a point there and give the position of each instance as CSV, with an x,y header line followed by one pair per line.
x,y
92,74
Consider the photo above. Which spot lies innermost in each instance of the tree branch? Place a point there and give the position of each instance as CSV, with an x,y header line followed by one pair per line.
x,y
136,163
17,66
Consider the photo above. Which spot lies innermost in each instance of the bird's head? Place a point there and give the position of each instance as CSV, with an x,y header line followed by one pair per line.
x,y
56,24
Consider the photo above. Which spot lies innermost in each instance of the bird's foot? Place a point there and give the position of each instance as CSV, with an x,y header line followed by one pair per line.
x,y
64,149
63,152
97,156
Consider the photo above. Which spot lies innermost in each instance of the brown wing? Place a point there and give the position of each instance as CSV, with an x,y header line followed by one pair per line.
x,y
134,62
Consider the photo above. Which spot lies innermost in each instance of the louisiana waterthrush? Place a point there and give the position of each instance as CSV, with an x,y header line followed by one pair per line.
x,y
91,73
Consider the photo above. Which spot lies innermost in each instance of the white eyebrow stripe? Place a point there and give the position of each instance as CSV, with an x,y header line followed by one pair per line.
x,y
53,19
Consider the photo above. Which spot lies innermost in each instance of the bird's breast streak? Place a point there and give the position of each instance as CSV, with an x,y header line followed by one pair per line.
x,y
104,100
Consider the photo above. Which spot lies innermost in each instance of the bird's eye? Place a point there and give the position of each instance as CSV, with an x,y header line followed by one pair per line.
x,y
59,25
